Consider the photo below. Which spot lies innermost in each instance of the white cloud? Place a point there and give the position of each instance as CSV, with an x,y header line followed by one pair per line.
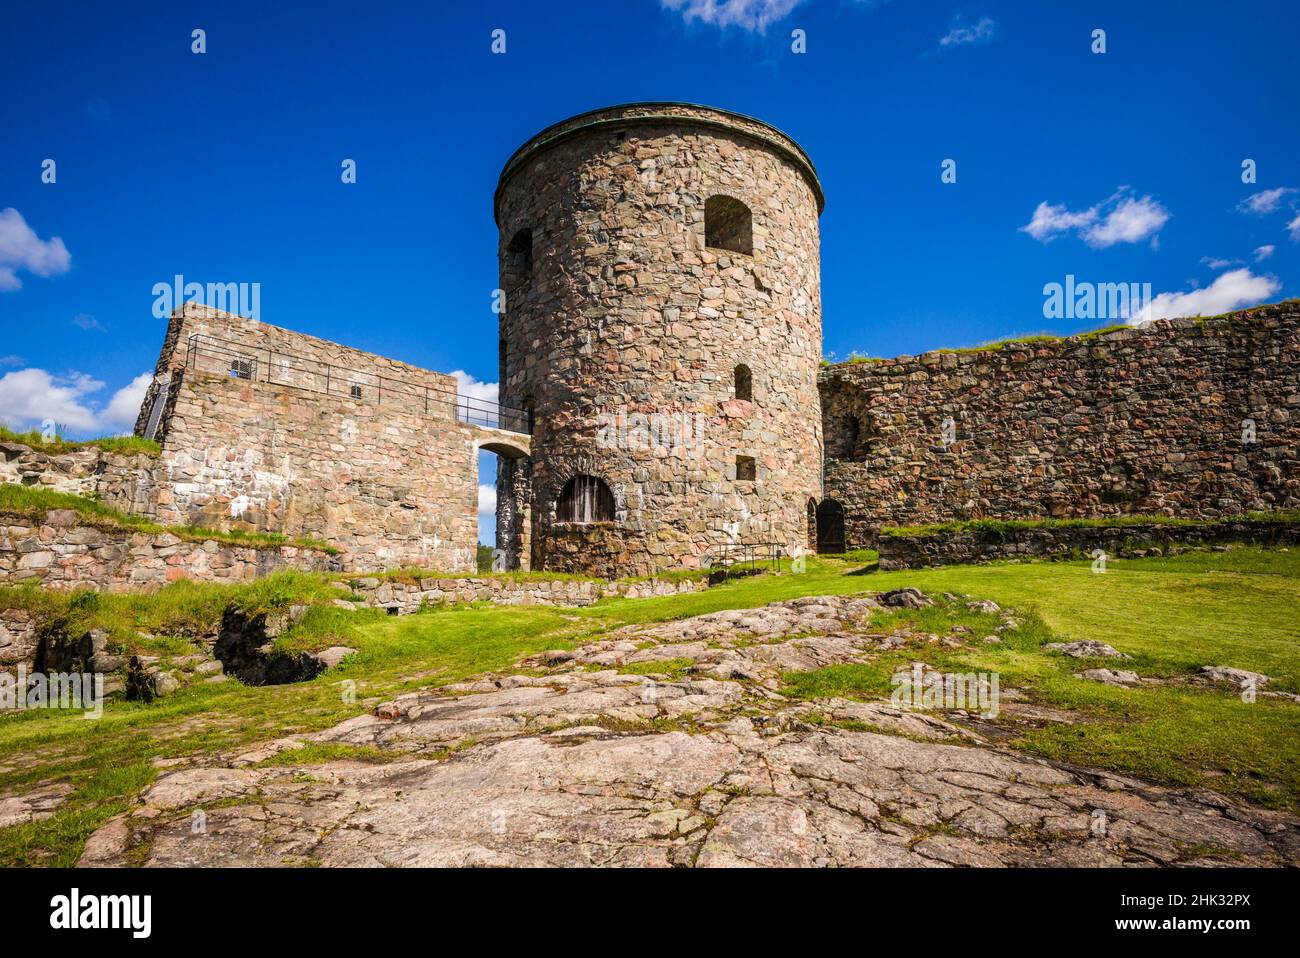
x,y
1215,263
962,34
1231,290
1294,228
1119,219
21,248
752,15
467,385
124,407
1264,252
1265,201
30,396
11,360
87,322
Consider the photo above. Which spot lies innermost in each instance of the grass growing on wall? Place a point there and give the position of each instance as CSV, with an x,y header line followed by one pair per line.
x,y
34,502
1003,526
126,445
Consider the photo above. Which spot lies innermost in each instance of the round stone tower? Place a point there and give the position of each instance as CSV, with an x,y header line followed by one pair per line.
x,y
662,328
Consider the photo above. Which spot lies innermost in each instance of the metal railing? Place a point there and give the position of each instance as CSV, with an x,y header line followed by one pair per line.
x,y
220,357
740,558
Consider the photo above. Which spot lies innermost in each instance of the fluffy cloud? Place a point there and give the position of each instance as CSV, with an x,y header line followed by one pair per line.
x,y
752,15
1265,201
1264,252
962,34
1120,219
124,407
1231,290
1294,228
88,323
487,512
22,249
28,397
468,386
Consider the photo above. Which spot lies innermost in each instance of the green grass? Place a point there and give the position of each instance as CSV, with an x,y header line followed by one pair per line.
x,y
1172,614
126,445
34,502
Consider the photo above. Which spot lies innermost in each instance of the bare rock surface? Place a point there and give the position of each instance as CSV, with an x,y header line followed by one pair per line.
x,y
587,765
32,806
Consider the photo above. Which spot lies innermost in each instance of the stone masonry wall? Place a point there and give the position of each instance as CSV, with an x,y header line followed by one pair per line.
x,y
123,482
403,597
61,551
1130,540
318,441
618,312
1143,420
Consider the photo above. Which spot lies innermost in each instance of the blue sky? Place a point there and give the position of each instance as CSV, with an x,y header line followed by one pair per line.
x,y
1124,166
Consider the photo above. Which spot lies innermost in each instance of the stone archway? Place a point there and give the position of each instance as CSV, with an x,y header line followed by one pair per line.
x,y
514,531
830,527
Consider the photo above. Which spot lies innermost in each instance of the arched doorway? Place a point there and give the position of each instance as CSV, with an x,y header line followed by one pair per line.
x,y
512,541
830,527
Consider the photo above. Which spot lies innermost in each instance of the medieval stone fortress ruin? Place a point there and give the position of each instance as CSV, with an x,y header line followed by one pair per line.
x,y
659,262
664,409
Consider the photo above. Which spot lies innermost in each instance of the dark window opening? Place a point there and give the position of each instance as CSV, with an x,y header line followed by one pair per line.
x,y
746,468
242,368
355,391
852,432
728,225
519,256
744,382
585,499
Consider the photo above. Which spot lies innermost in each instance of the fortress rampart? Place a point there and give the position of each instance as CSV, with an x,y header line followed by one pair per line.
x,y
1196,418
265,429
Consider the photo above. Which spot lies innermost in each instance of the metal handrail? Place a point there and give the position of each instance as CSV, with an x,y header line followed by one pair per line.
x,y
352,383
727,556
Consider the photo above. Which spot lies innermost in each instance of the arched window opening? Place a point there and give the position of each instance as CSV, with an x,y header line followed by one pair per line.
x,y
728,225
519,256
744,382
746,468
585,499
830,527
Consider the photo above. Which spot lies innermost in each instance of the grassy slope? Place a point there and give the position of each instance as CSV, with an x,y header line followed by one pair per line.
x,y
1234,608
35,501
126,445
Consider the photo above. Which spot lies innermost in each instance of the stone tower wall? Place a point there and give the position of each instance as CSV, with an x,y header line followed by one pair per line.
x,y
390,477
623,335
1141,420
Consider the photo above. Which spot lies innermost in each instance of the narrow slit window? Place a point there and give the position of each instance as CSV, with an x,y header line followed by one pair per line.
x,y
519,256
744,382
